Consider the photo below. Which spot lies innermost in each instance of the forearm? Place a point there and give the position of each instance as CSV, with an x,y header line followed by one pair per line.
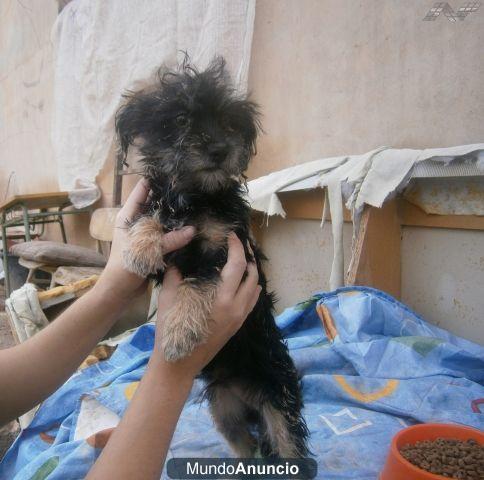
x,y
139,444
31,371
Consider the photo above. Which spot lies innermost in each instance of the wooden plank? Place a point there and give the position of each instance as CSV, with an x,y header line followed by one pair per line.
x,y
298,204
306,204
376,257
413,216
50,302
69,275
58,254
37,200
47,298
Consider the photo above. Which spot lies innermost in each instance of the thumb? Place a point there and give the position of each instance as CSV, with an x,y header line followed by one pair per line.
x,y
177,238
169,287
133,203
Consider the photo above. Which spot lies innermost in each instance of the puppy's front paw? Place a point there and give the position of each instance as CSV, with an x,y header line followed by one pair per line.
x,y
185,325
145,253
178,340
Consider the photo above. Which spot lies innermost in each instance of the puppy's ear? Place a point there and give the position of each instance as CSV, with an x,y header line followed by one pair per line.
x,y
133,119
248,113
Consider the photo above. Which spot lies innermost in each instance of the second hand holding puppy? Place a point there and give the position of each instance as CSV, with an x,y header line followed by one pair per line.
x,y
234,300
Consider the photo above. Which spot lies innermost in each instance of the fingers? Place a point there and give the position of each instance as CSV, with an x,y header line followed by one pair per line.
x,y
254,299
177,239
249,289
137,197
171,282
248,285
234,269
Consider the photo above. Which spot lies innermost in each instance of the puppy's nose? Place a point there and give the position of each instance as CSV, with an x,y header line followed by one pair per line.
x,y
218,151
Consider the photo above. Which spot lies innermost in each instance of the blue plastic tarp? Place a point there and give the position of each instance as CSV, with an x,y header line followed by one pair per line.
x,y
369,366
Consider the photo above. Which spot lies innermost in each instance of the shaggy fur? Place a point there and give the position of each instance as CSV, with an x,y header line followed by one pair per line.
x,y
145,255
187,323
196,137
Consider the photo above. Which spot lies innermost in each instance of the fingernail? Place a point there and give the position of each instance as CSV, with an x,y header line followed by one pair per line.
x,y
189,231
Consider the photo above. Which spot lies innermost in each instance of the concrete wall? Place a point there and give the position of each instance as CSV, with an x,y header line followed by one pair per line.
x,y
345,76
26,87
332,77
443,278
27,161
300,257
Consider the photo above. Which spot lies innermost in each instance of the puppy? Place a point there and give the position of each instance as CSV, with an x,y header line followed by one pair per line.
x,y
196,137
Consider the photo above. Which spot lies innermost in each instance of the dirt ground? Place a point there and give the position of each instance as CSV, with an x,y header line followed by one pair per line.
x,y
9,431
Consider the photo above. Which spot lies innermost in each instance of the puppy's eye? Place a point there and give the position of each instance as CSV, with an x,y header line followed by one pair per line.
x,y
181,121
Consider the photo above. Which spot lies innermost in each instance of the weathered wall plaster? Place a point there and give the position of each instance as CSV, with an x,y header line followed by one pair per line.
x,y
300,256
346,76
443,278
26,99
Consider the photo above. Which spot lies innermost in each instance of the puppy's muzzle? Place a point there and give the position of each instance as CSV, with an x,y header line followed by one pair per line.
x,y
218,152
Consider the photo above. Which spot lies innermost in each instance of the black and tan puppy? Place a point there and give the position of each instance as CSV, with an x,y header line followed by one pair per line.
x,y
196,137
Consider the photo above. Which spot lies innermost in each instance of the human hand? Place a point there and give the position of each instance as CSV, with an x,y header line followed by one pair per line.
x,y
234,300
116,280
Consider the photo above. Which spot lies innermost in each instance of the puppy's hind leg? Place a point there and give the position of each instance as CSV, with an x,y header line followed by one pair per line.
x,y
230,416
285,431
185,325
145,253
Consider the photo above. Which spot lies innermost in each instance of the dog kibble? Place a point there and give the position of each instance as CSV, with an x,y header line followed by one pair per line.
x,y
450,458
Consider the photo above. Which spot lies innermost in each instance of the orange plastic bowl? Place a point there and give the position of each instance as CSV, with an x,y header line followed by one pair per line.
x,y
397,468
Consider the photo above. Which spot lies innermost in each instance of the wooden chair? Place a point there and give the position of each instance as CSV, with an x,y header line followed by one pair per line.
x,y
66,264
76,280
102,225
72,281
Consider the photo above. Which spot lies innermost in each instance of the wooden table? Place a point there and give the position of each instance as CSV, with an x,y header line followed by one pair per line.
x,y
30,210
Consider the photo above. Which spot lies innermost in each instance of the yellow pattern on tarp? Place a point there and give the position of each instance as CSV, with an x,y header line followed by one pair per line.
x,y
385,391
130,390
